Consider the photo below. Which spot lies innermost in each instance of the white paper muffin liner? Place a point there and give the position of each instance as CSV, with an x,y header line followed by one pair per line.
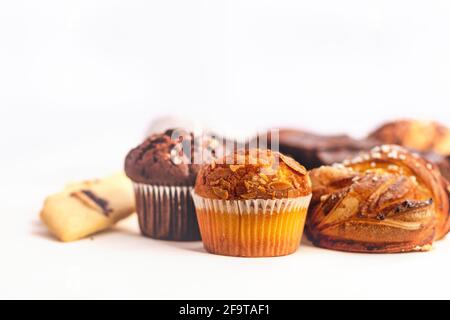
x,y
166,212
252,228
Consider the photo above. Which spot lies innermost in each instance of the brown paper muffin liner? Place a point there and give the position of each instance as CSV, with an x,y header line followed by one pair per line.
x,y
166,213
252,228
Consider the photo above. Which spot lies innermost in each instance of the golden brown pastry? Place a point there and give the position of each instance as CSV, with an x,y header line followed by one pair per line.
x,y
424,136
85,208
385,201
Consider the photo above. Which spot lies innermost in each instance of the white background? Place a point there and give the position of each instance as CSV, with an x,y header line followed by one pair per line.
x,y
80,81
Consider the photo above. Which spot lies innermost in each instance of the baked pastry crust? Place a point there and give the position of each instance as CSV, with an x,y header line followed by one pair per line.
x,y
388,200
88,207
424,136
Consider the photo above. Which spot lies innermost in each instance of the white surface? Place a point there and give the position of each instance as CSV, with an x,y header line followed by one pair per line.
x,y
80,82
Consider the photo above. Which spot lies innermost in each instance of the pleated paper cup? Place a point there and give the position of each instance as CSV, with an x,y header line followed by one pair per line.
x,y
251,228
166,213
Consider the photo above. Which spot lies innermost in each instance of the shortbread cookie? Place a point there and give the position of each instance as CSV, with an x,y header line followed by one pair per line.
x,y
85,208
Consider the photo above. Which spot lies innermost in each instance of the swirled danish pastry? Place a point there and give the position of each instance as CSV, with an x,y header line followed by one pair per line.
x,y
388,200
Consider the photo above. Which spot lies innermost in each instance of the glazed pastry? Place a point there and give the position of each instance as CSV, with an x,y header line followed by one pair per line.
x,y
385,201
252,204
86,208
314,150
423,136
163,170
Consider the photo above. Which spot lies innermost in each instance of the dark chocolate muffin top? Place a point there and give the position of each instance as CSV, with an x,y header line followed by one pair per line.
x,y
162,160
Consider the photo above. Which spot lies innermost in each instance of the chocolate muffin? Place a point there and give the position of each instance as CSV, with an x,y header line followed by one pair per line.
x,y
163,170
159,160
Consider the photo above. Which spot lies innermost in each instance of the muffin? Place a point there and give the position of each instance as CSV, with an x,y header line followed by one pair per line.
x,y
252,204
163,170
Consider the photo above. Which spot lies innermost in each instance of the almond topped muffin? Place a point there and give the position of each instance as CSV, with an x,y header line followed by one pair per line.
x,y
252,204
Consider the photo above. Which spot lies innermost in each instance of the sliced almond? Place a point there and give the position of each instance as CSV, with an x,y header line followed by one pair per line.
x,y
251,195
262,189
222,194
248,185
280,186
294,165
225,184
262,181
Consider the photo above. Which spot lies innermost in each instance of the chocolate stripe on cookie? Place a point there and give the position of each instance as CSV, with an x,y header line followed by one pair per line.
x,y
92,200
